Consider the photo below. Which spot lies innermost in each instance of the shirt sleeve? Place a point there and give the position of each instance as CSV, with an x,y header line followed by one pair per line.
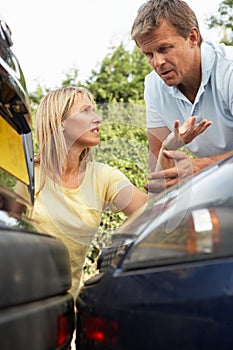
x,y
113,180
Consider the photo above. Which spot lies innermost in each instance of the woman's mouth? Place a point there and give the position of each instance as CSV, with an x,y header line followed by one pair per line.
x,y
95,130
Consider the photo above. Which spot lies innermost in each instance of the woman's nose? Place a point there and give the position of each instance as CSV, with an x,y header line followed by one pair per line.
x,y
97,119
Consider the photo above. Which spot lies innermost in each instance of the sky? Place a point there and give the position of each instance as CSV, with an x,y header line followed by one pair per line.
x,y
51,37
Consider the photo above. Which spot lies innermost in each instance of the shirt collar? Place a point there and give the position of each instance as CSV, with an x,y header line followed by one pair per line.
x,y
207,62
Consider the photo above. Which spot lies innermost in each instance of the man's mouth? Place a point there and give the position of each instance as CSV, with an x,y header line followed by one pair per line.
x,y
165,73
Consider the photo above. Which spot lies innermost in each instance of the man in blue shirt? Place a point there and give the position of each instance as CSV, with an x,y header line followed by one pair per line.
x,y
190,77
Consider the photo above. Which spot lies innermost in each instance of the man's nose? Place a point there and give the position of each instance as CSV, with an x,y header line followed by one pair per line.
x,y
158,60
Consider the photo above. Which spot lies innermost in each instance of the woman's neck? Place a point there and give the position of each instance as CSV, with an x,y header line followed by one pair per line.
x,y
73,170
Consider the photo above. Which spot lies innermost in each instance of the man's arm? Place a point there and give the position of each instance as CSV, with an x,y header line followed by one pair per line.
x,y
184,166
200,163
180,136
156,136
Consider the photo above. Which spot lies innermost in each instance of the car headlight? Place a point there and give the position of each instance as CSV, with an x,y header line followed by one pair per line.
x,y
202,233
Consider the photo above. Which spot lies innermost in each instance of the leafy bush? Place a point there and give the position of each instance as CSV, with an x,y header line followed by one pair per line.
x,y
123,145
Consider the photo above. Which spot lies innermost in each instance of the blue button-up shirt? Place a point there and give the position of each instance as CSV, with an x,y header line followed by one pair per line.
x,y
214,101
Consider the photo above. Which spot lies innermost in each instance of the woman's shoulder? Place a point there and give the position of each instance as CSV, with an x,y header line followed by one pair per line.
x,y
105,171
98,167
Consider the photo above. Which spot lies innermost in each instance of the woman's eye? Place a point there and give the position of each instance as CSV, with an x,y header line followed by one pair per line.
x,y
85,110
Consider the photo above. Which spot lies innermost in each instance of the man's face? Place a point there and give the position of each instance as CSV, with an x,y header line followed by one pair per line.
x,y
171,56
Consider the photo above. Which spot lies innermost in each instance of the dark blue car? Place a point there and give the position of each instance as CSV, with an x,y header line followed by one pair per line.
x,y
166,282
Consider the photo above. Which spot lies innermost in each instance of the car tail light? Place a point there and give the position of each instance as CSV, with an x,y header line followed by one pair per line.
x,y
63,331
100,330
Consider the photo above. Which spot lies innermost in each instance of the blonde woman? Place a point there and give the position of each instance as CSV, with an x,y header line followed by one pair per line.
x,y
72,190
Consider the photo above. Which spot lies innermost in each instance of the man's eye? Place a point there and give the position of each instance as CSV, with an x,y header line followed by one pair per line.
x,y
164,49
149,55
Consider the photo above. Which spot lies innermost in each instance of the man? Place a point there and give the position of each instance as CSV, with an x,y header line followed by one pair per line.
x,y
190,77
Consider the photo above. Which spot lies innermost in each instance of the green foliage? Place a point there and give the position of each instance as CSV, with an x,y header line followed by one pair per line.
x,y
71,78
109,223
124,140
36,96
123,145
120,77
224,21
6,180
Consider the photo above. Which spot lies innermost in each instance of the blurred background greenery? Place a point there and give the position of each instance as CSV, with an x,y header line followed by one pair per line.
x,y
118,87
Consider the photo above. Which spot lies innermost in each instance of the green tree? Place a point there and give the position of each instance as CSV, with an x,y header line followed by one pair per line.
x,y
224,20
71,78
120,77
37,95
139,69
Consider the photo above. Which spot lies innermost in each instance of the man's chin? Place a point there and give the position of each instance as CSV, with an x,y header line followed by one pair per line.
x,y
170,82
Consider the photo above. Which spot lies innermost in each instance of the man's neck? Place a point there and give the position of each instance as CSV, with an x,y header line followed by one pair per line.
x,y
190,86
189,91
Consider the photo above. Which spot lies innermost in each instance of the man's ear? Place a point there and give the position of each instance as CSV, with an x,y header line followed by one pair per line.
x,y
194,36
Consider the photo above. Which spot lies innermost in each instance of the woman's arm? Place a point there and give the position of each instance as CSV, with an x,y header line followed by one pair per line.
x,y
129,199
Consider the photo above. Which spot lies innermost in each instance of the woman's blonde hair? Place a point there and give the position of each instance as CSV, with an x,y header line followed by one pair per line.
x,y
52,111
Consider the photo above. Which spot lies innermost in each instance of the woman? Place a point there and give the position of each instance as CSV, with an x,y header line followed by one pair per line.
x,y
72,190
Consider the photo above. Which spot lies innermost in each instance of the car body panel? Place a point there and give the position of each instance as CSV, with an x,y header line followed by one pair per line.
x,y
36,325
39,271
166,308
167,279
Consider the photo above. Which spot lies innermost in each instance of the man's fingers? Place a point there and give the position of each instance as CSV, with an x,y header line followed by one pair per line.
x,y
188,125
183,163
160,180
176,126
202,126
176,155
155,186
163,174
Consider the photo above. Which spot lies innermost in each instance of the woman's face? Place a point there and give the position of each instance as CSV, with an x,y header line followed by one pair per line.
x,y
82,125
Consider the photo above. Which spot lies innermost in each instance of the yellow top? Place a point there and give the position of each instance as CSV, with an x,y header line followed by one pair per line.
x,y
74,215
